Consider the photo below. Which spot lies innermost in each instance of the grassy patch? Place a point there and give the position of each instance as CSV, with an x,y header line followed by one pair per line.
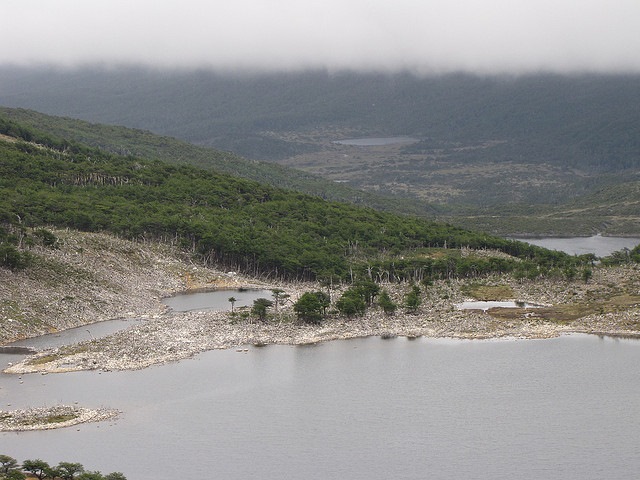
x,y
47,419
625,300
63,352
11,309
44,359
565,314
59,418
437,253
561,314
54,272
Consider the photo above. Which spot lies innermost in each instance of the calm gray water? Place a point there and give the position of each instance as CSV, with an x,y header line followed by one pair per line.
x,y
215,300
598,245
566,408
486,305
75,335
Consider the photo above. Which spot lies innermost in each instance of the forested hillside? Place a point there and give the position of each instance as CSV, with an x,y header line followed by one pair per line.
x,y
231,222
601,203
142,143
504,154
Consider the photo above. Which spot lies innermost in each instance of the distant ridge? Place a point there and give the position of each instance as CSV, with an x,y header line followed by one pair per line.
x,y
575,119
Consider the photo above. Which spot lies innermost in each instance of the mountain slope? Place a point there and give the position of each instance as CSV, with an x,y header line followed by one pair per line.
x,y
585,214
141,143
223,220
612,209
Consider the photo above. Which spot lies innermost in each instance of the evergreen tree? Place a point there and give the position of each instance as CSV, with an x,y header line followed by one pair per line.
x,y
412,300
279,296
351,303
68,471
385,302
7,463
260,307
233,301
39,468
310,307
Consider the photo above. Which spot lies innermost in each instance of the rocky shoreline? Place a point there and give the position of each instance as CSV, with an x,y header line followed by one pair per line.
x,y
134,289
174,336
47,418
177,337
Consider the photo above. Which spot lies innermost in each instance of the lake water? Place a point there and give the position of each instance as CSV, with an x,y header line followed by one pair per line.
x,y
75,335
486,305
565,408
215,300
375,142
597,244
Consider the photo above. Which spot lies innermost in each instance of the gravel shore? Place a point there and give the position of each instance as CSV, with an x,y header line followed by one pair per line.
x,y
47,418
136,288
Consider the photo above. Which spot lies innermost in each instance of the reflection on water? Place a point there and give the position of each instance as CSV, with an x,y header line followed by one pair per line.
x,y
215,300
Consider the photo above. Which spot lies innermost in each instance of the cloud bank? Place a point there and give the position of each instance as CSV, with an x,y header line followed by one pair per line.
x,y
488,36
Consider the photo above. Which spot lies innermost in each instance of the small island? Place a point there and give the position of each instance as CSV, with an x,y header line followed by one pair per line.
x,y
47,418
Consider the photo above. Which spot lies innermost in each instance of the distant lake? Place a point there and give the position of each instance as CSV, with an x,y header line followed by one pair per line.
x,y
598,245
375,142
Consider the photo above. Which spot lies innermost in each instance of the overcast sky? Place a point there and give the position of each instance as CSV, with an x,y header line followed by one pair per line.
x,y
486,36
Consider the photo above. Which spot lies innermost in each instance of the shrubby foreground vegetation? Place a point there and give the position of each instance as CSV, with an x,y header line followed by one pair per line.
x,y
10,469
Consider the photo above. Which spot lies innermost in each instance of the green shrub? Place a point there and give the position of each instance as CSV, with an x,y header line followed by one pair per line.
x,y
12,258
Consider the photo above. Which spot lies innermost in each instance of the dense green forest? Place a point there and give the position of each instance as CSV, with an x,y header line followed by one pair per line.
x,y
232,222
141,143
609,206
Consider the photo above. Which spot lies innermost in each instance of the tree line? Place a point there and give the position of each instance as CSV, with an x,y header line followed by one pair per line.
x,y
235,223
10,469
